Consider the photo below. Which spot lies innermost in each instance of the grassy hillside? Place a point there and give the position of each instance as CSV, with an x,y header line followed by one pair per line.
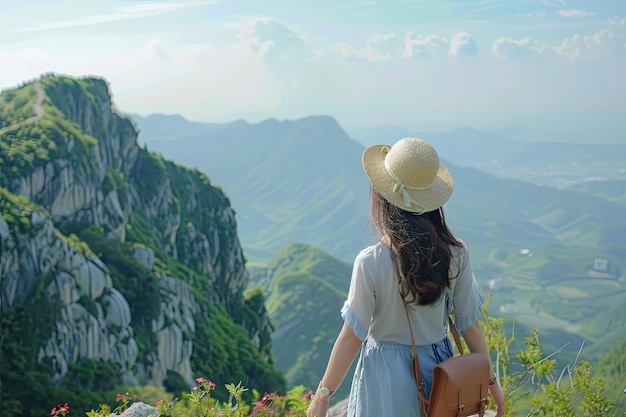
x,y
306,291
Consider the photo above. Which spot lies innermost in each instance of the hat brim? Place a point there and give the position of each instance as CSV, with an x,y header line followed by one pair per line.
x,y
429,199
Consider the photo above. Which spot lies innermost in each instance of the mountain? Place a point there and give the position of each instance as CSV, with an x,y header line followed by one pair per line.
x,y
169,127
302,181
116,265
306,290
291,181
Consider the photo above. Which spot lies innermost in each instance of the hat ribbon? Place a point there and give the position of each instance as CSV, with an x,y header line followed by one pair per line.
x,y
402,188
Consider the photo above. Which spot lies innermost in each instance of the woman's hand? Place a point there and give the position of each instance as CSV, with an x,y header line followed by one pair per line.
x,y
498,398
317,408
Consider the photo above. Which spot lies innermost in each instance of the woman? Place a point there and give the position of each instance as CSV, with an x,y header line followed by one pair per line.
x,y
418,263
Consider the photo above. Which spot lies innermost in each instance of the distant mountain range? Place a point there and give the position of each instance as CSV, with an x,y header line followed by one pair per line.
x,y
295,181
302,181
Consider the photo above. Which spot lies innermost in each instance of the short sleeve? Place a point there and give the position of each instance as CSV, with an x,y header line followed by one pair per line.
x,y
467,299
358,309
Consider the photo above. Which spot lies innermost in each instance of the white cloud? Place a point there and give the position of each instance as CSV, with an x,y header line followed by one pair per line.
x,y
390,47
609,41
507,47
575,13
156,48
273,39
425,45
462,44
605,42
378,48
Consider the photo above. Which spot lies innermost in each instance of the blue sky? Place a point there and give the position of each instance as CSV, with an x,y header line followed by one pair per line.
x,y
547,69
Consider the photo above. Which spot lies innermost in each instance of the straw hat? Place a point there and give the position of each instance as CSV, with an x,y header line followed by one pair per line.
x,y
409,175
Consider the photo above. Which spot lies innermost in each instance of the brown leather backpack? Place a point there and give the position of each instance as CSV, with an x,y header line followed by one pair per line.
x,y
460,383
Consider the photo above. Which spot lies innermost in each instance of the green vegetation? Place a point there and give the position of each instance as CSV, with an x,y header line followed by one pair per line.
x,y
534,384
612,370
306,288
139,285
16,105
16,211
216,337
22,328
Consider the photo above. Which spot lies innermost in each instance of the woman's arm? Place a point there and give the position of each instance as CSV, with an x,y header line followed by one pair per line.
x,y
341,357
475,339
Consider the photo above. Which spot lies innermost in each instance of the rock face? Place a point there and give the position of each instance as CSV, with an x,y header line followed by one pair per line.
x,y
101,177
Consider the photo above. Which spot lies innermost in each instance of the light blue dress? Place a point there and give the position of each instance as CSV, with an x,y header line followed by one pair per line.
x,y
383,384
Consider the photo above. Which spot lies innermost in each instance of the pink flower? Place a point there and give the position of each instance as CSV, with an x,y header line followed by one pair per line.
x,y
60,410
118,396
194,388
199,380
160,402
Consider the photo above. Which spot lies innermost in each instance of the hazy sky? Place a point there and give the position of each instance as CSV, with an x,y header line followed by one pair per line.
x,y
551,69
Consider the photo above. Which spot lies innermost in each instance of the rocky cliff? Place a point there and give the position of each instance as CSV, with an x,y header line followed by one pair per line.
x,y
127,248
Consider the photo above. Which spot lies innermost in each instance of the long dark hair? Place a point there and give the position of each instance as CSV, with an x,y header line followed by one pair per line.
x,y
419,247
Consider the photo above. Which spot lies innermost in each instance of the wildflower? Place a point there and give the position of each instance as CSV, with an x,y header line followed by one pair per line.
x,y
60,410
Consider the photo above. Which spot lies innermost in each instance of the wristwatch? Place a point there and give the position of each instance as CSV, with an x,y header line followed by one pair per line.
x,y
325,391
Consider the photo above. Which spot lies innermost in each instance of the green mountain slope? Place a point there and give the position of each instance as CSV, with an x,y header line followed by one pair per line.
x,y
307,289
